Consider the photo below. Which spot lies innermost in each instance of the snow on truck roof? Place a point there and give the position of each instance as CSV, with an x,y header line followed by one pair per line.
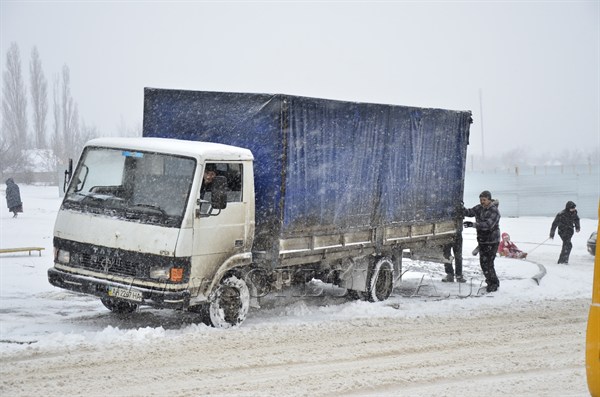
x,y
206,150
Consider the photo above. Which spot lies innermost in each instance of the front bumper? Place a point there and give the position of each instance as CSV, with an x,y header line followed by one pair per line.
x,y
156,297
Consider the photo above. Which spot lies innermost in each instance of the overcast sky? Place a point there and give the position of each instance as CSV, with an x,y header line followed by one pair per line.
x,y
536,64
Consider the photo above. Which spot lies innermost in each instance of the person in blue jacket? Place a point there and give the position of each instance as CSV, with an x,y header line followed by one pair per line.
x,y
487,223
566,220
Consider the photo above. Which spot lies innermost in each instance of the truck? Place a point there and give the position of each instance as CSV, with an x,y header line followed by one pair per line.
x,y
228,197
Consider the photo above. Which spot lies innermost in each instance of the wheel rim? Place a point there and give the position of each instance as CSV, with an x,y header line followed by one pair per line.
x,y
383,284
230,304
382,281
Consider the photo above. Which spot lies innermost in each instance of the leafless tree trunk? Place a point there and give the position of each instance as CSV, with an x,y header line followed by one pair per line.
x,y
13,139
123,129
65,142
55,137
69,111
39,99
86,132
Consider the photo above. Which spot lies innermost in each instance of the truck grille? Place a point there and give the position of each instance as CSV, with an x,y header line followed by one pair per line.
x,y
119,262
108,265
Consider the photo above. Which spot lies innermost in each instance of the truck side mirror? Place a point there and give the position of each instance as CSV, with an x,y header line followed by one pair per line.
x,y
218,194
68,175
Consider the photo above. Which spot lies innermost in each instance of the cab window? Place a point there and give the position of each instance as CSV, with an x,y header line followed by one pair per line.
x,y
233,173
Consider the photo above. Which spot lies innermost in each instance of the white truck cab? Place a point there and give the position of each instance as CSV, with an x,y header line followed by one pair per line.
x,y
136,227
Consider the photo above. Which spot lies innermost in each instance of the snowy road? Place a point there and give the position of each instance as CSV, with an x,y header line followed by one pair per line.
x,y
527,350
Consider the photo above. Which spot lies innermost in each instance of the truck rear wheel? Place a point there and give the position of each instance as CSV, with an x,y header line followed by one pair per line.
x,y
381,280
119,307
230,303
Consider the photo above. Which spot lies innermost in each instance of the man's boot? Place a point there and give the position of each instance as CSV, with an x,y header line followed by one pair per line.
x,y
460,279
448,279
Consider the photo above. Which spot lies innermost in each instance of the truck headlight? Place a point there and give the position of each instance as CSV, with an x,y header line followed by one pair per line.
x,y
160,273
174,274
63,257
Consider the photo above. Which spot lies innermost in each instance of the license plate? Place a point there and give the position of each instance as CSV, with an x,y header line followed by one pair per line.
x,y
123,293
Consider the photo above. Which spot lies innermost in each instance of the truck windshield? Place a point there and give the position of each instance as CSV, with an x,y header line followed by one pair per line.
x,y
132,185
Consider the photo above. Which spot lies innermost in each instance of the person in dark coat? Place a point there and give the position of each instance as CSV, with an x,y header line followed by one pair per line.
x,y
487,223
566,220
497,204
456,247
13,197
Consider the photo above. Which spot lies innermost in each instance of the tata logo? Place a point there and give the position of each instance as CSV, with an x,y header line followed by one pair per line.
x,y
107,263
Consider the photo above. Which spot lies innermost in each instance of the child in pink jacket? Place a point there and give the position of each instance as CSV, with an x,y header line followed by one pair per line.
x,y
508,249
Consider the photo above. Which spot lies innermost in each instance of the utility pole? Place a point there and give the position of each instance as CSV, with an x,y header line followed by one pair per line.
x,y
481,121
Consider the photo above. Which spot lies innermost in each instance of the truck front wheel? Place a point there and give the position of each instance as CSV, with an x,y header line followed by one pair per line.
x,y
230,303
119,307
381,280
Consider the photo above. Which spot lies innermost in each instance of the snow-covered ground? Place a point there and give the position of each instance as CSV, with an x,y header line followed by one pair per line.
x,y
429,338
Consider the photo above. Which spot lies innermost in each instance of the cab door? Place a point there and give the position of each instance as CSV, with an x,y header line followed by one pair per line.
x,y
219,234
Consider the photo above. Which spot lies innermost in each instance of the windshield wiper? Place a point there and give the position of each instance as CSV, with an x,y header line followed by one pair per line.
x,y
151,207
86,197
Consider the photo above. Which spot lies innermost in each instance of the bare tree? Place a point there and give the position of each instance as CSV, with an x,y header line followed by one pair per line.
x,y
570,156
66,119
14,114
594,156
70,132
39,99
123,129
55,137
87,132
515,157
70,114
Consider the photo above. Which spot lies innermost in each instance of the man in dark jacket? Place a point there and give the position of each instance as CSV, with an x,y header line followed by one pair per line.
x,y
13,197
456,247
565,220
487,223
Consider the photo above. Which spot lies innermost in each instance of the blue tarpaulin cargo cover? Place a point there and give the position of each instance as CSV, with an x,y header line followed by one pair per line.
x,y
324,166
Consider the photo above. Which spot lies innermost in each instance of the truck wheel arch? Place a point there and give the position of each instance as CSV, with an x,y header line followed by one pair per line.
x,y
235,264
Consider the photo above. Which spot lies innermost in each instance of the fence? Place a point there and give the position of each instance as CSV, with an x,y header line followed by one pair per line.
x,y
538,190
